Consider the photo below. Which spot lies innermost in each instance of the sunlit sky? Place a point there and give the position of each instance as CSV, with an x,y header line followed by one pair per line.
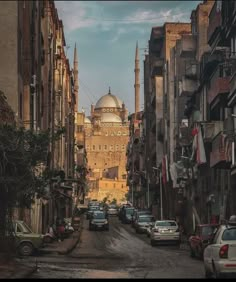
x,y
106,33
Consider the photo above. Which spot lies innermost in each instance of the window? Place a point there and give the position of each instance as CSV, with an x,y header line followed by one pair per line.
x,y
94,147
233,46
100,147
118,133
111,148
105,147
117,147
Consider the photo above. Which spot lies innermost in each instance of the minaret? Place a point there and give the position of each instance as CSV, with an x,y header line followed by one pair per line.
x,y
76,79
137,82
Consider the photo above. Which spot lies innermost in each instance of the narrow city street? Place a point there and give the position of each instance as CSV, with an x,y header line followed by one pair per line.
x,y
118,253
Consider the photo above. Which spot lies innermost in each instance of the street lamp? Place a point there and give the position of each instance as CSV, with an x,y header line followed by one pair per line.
x,y
161,203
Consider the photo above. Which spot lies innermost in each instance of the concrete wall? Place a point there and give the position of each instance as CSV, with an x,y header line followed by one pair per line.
x,y
9,52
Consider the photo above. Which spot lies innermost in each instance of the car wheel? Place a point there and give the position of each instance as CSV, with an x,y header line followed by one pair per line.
x,y
152,243
208,274
25,249
192,253
215,275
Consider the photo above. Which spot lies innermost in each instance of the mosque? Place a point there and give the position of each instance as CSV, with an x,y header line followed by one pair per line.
x,y
106,139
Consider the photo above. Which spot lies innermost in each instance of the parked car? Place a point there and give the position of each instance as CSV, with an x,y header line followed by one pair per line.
x,y
220,255
27,242
127,215
98,220
112,210
91,210
122,209
143,222
165,231
137,213
200,239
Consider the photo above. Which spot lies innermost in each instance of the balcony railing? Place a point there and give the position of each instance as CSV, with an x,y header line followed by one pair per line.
x,y
218,156
232,90
187,46
212,129
220,86
215,22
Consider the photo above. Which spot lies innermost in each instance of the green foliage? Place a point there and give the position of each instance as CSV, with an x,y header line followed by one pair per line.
x,y
114,201
21,154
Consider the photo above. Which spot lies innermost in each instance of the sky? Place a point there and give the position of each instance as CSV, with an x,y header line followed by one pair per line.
x,y
105,33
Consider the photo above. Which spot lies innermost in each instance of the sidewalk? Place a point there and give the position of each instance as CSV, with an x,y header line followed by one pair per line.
x,y
10,268
63,247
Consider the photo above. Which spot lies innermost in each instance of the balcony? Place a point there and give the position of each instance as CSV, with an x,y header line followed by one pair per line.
x,y
218,155
209,63
232,90
211,130
156,68
187,86
219,86
191,69
215,22
187,46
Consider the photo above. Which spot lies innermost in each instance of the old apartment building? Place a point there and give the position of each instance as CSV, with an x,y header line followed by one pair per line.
x,y
42,89
188,121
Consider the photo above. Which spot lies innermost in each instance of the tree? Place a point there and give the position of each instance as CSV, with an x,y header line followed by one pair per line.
x,y
21,154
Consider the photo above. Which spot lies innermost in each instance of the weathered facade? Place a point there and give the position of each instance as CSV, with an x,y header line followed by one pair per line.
x,y
36,78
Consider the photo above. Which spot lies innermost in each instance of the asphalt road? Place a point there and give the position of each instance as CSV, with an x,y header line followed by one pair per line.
x,y
119,253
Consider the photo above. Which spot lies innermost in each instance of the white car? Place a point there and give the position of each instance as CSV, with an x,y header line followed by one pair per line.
x,y
220,255
165,231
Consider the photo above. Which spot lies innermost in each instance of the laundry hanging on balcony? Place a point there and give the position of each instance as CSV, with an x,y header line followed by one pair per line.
x,y
198,149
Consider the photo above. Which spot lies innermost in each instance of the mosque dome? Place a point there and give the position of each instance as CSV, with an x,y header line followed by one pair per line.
x,y
109,101
87,120
110,117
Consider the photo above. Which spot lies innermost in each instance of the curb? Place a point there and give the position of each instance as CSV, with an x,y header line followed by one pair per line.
x,y
75,242
65,251
23,274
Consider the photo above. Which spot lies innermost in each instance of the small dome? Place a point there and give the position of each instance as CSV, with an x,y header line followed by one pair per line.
x,y
110,117
109,101
87,120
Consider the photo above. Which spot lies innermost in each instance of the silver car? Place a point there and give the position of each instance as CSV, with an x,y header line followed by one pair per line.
x,y
112,210
220,255
165,231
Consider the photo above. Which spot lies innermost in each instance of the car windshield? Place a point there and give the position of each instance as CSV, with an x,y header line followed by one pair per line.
x,y
207,230
25,228
146,219
94,208
129,211
229,234
99,215
165,223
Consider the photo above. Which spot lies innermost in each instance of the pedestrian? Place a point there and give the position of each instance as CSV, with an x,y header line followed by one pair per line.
x,y
60,229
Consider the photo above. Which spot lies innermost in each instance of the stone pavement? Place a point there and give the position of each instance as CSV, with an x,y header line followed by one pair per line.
x,y
11,268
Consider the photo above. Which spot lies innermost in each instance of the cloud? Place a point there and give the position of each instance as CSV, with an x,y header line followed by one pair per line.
x,y
81,14
151,17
